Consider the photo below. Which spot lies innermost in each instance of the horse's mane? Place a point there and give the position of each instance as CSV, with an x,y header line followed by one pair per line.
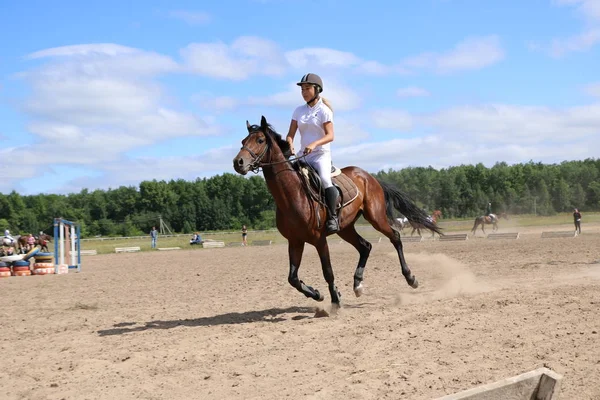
x,y
272,134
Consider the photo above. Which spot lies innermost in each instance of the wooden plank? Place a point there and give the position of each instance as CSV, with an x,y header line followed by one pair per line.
x,y
507,235
454,237
234,244
211,244
409,239
559,234
540,384
127,249
168,248
88,252
261,242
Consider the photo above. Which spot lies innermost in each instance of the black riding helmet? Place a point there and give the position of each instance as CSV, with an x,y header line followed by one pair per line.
x,y
314,80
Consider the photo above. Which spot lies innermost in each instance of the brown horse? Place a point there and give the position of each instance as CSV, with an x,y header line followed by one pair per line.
x,y
437,214
487,220
42,240
299,216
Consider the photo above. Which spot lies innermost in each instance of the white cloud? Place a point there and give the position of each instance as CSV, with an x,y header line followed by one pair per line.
x,y
500,124
320,57
342,98
589,37
593,89
577,43
469,54
131,171
472,134
245,57
191,17
397,120
105,59
106,49
589,9
89,104
412,91
348,132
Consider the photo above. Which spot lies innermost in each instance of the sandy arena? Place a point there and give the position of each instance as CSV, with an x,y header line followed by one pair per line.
x,y
225,324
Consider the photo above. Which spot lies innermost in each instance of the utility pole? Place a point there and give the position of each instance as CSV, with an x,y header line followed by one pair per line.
x,y
162,226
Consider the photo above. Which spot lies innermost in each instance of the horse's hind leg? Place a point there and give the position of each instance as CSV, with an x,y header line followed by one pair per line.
x,y
381,224
295,251
364,249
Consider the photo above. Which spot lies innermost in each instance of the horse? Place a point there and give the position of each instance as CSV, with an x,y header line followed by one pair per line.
x,y
401,223
487,220
437,214
300,215
42,241
9,247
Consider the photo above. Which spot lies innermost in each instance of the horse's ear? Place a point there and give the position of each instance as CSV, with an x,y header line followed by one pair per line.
x,y
248,125
263,123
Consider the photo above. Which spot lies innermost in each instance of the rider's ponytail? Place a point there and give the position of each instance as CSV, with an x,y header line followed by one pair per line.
x,y
327,103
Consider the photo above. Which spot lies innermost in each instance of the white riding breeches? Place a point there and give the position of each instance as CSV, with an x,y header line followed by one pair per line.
x,y
321,161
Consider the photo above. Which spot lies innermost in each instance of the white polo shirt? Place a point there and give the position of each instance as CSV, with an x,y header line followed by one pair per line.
x,y
310,124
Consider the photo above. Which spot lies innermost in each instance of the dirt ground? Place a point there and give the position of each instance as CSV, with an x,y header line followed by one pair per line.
x,y
225,324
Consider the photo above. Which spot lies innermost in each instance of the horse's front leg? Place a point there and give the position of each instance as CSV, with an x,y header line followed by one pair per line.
x,y
295,250
323,250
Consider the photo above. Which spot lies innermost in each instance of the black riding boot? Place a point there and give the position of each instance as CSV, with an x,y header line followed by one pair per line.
x,y
332,224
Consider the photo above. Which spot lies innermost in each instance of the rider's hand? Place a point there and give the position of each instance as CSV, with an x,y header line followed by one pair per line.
x,y
308,149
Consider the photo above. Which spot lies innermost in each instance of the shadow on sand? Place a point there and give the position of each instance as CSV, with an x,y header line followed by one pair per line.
x,y
270,315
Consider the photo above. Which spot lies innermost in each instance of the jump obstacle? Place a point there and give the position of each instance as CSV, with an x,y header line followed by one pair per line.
x,y
539,384
455,237
507,235
261,242
66,245
132,249
559,234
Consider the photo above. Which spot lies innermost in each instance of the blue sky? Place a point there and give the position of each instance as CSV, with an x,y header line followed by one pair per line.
x,y
98,95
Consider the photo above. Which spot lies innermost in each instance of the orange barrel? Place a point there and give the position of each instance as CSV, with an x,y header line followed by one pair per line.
x,y
21,268
43,268
4,270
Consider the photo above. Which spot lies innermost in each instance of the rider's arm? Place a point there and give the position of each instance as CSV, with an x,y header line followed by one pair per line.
x,y
327,138
292,133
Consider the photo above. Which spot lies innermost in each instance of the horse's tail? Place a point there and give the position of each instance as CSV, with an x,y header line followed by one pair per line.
x,y
395,199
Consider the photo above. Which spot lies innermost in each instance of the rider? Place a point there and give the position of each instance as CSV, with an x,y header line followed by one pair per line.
x,y
8,236
314,120
488,212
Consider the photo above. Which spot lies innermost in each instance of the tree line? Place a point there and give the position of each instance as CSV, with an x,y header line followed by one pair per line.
x,y
228,201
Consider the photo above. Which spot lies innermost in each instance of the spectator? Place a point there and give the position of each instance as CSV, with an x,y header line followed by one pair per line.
x,y
154,236
244,235
577,221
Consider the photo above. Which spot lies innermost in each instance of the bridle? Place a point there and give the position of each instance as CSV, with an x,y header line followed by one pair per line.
x,y
257,163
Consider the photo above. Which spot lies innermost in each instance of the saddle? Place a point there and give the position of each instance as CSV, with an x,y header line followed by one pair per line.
x,y
347,189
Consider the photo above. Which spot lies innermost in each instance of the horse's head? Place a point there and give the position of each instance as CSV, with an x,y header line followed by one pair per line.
x,y
259,147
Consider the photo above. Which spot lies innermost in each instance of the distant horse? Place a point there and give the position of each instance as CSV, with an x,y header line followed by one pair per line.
x,y
401,223
42,241
437,214
300,214
487,220
9,247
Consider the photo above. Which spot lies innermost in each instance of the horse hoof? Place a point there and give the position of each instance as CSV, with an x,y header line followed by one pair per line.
x,y
320,297
358,291
415,284
335,308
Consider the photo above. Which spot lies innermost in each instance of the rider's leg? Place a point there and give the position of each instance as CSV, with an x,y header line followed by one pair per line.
x,y
321,161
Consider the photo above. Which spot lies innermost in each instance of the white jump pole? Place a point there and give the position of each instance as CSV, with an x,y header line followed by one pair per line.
x,y
73,238
61,246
